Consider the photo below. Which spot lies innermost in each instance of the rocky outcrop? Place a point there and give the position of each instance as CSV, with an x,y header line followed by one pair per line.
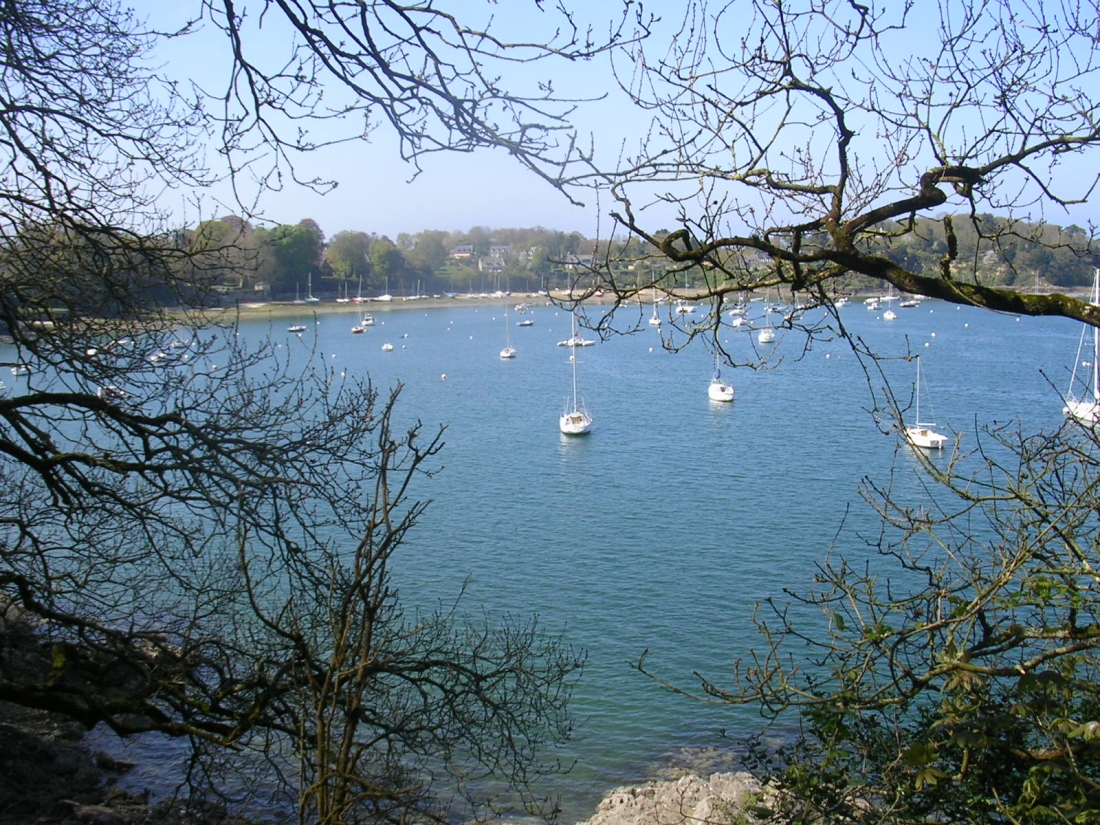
x,y
722,799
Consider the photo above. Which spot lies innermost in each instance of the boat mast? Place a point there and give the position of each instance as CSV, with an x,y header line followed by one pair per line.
x,y
1096,342
918,391
573,357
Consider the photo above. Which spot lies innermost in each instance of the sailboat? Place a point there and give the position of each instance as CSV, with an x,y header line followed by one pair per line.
x,y
310,297
719,390
575,420
921,433
509,351
360,327
767,333
1086,406
655,321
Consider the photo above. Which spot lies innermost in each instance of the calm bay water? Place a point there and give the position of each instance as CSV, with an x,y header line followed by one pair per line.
x,y
661,529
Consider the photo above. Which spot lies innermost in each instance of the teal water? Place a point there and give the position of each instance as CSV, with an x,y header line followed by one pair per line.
x,y
663,528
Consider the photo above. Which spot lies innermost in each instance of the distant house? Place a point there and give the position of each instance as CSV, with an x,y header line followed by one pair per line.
x,y
465,250
574,262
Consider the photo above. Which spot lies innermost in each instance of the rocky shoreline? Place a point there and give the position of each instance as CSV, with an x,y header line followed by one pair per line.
x,y
721,798
49,777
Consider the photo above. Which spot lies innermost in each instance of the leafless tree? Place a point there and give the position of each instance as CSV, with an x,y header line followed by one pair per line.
x,y
196,532
797,141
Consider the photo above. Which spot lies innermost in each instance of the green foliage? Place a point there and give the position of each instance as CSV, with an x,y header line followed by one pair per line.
x,y
971,693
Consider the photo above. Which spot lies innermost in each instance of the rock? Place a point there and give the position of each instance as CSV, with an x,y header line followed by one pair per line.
x,y
97,815
722,798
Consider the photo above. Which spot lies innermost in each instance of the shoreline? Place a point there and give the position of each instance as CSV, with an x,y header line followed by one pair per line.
x,y
287,309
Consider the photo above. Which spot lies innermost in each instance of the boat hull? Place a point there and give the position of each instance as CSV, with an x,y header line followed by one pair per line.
x,y
1087,412
925,437
720,391
575,423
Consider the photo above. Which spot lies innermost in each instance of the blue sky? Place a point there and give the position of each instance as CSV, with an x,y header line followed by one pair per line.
x,y
487,188
454,191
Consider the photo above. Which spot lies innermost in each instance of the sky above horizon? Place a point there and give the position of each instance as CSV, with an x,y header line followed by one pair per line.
x,y
377,192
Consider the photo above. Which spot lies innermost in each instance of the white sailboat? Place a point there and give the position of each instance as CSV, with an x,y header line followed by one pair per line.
x,y
576,340
575,420
655,321
921,433
509,351
719,390
766,335
1083,400
310,297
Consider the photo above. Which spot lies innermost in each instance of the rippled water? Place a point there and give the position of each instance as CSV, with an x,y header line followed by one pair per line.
x,y
661,530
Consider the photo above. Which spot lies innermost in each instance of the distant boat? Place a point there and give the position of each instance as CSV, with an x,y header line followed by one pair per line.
x,y
296,328
509,351
655,321
310,297
365,320
767,334
889,315
908,303
719,390
526,322
109,392
576,419
576,339
1085,406
387,348
921,433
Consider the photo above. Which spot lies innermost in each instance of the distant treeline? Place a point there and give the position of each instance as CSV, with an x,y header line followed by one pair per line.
x,y
286,260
